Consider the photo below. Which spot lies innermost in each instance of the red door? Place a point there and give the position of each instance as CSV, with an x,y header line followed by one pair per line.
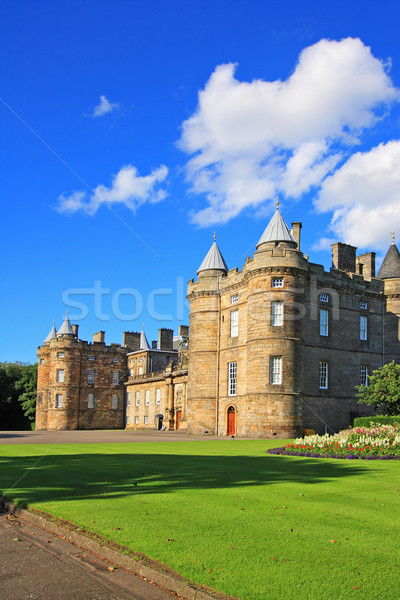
x,y
178,418
231,421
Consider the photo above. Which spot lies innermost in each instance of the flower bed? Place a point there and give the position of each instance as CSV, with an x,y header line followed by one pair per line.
x,y
375,442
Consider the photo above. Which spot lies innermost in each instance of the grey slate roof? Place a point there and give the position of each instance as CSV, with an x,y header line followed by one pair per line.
x,y
52,334
143,343
66,328
276,230
213,260
391,263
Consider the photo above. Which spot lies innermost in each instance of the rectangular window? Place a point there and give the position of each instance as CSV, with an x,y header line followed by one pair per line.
x,y
158,395
234,298
136,420
90,376
323,322
234,323
137,401
115,377
42,361
60,355
90,401
323,375
130,372
115,359
232,378
276,314
147,397
324,297
363,327
276,370
60,375
114,401
146,420
128,399
91,358
364,375
363,305
127,420
58,400
140,370
277,282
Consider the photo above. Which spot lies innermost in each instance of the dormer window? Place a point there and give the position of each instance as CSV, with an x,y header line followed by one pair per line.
x,y
277,282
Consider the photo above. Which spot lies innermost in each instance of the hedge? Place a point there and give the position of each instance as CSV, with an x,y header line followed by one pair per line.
x,y
382,419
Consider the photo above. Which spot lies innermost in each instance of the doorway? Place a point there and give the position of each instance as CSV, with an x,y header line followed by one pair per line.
x,y
231,420
178,418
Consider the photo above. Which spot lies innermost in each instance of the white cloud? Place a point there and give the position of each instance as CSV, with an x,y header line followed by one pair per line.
x,y
364,195
104,107
127,188
249,141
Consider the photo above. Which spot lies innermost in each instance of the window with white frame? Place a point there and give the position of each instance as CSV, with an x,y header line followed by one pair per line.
x,y
276,370
158,395
232,378
363,305
234,298
90,376
115,359
91,358
323,375
90,401
115,377
137,399
60,355
130,372
127,420
234,323
128,398
146,420
42,361
114,401
363,327
147,397
276,314
140,370
323,322
58,400
364,375
277,282
324,297
60,375
136,420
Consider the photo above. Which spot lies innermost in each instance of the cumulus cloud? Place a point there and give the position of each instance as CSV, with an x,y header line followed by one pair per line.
x,y
364,195
248,141
104,107
127,188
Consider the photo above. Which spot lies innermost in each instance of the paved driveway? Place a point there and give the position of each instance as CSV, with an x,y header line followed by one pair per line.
x,y
98,437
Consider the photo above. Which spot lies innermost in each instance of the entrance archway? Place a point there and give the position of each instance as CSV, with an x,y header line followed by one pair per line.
x,y
231,420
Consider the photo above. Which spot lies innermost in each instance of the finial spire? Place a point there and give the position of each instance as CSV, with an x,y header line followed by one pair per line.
x,y
393,237
277,200
214,236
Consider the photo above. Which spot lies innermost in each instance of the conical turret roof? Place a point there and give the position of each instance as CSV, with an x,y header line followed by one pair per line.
x,y
391,263
276,230
213,260
66,328
143,343
52,334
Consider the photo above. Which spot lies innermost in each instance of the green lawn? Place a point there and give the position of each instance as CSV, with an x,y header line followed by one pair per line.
x,y
226,514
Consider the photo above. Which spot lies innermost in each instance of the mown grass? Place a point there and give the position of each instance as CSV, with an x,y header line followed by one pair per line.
x,y
226,514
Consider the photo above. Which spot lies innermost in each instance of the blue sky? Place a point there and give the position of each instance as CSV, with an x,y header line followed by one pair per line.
x,y
131,130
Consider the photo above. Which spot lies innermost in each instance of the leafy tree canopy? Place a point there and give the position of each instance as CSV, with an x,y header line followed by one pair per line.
x,y
383,389
18,383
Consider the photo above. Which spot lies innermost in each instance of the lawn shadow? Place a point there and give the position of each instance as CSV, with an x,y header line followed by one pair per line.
x,y
84,476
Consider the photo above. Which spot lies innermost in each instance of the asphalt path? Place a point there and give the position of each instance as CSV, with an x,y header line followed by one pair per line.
x,y
109,436
37,565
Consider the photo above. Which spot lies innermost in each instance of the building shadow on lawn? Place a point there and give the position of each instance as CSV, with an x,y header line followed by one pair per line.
x,y
85,476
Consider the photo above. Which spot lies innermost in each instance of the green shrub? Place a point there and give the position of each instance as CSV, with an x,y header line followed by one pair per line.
x,y
382,419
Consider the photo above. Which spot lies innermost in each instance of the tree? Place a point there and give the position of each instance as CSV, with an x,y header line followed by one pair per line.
x,y
17,395
383,389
